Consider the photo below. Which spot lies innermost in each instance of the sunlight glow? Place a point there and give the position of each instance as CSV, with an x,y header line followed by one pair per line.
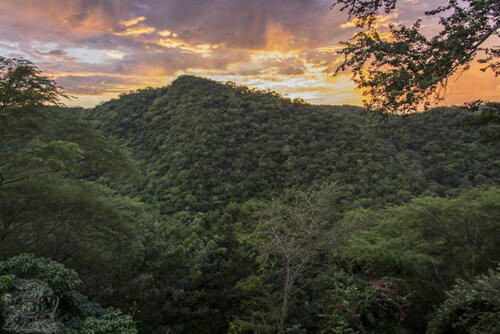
x,y
102,51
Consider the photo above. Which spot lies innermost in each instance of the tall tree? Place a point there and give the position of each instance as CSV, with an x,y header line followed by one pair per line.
x,y
404,70
293,232
38,139
22,84
50,201
25,143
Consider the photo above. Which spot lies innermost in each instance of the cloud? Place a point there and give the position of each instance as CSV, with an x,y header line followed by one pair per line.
x,y
57,53
136,30
97,49
95,85
132,21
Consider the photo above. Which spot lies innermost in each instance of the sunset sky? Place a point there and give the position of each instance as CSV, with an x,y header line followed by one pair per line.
x,y
97,49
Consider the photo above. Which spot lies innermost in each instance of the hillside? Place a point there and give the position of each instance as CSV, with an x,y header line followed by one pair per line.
x,y
213,155
204,144
239,211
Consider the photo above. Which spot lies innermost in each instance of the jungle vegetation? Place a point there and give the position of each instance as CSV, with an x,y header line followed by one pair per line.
x,y
204,207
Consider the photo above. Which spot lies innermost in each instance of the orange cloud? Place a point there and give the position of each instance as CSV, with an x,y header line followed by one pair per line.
x,y
278,38
132,21
136,30
98,49
472,85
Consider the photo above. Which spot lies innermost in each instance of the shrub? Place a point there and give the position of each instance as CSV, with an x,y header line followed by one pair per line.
x,y
470,307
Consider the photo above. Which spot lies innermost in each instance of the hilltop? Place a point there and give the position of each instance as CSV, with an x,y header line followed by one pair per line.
x,y
228,167
204,144
206,207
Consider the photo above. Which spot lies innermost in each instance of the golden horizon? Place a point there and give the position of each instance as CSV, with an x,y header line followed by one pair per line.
x,y
97,51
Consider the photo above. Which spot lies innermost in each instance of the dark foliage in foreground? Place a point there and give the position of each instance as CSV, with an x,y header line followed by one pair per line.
x,y
211,208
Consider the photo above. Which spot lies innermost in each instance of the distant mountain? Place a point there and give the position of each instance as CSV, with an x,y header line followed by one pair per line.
x,y
204,144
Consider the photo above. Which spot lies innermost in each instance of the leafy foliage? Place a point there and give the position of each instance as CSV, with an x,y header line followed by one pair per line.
x,y
22,84
292,233
428,243
50,201
180,230
354,305
406,70
76,314
470,307
485,115
246,144
213,154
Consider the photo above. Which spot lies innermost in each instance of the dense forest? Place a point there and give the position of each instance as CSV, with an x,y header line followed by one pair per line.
x,y
205,207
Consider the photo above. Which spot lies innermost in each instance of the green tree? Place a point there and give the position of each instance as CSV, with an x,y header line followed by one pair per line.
x,y
56,198
31,277
25,149
470,307
427,244
408,70
293,232
351,304
484,114
22,84
211,154
38,140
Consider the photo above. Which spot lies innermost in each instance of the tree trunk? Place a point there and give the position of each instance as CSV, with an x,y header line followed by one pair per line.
x,y
286,292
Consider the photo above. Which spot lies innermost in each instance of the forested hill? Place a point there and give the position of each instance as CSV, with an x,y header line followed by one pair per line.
x,y
239,211
204,144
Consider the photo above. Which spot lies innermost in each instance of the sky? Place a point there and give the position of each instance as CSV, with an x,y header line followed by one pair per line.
x,y
98,49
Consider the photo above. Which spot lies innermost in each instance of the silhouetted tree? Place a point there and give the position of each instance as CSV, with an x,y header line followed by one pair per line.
x,y
405,70
22,84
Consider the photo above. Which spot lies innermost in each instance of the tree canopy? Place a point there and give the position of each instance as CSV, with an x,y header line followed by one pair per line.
x,y
214,156
404,69
22,84
56,200
204,207
27,277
